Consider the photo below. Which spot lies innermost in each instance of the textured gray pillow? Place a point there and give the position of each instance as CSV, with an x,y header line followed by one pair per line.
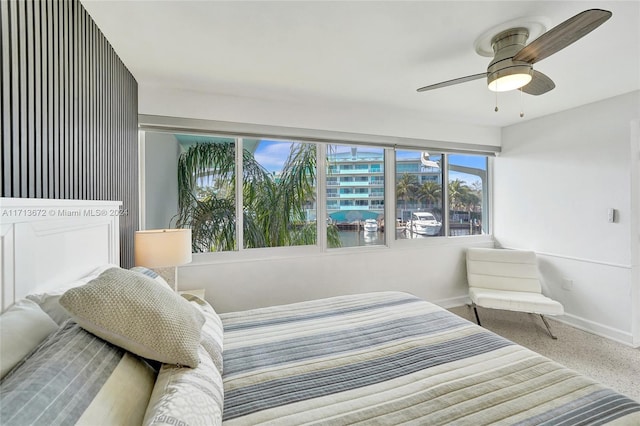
x,y
136,313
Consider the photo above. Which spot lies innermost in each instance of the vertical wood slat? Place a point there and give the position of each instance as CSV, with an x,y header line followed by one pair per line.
x,y
68,110
5,169
37,99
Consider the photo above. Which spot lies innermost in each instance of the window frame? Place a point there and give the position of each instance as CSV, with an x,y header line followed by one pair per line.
x,y
241,131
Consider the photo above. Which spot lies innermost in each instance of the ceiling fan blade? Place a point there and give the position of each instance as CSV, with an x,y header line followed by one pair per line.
x,y
452,82
539,84
562,35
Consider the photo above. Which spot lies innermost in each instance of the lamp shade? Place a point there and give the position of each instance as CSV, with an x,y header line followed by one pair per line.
x,y
160,248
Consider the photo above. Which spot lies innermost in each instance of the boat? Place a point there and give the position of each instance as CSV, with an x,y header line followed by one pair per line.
x,y
370,225
423,223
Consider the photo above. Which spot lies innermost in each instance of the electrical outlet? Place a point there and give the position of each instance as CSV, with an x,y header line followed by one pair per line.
x,y
567,284
611,215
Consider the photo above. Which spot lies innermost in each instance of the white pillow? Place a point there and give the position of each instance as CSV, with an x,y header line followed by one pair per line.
x,y
22,327
212,333
49,300
187,396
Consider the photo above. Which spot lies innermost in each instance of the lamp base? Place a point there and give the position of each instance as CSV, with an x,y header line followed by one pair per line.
x,y
170,275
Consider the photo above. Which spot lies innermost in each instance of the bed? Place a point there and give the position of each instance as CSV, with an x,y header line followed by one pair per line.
x,y
374,358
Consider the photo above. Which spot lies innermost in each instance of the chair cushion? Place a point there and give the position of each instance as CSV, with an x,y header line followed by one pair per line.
x,y
501,269
515,301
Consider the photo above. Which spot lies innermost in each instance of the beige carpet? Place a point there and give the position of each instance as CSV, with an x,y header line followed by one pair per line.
x,y
611,363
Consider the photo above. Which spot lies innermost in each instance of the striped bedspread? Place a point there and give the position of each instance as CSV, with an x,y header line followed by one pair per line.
x,y
392,358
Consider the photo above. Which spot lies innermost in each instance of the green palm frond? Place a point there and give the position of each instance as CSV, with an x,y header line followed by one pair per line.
x,y
274,209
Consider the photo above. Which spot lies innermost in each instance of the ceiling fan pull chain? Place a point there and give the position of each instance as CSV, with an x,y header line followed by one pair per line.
x,y
521,104
496,109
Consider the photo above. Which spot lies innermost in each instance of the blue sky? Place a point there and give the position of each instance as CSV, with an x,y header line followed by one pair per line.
x,y
273,154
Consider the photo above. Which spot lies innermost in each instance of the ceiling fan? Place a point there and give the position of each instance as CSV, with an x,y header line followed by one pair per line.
x,y
512,64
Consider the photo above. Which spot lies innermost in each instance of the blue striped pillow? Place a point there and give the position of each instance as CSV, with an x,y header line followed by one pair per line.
x,y
76,377
151,274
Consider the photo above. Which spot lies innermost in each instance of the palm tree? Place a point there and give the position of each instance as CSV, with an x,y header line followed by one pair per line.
x,y
278,207
273,211
406,188
458,190
431,193
463,197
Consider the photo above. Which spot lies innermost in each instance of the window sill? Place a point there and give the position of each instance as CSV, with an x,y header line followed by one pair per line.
x,y
275,253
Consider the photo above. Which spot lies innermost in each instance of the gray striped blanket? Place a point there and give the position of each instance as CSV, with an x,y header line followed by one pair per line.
x,y
392,358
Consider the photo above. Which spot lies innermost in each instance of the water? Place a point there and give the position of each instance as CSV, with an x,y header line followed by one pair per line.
x,y
361,238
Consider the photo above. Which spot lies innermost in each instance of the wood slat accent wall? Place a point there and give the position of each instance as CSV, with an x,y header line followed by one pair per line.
x,y
69,111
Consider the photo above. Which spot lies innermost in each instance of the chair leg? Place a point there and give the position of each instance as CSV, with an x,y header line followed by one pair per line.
x,y
475,309
544,320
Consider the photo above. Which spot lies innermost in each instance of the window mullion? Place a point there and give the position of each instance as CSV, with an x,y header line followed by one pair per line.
x,y
239,195
487,202
445,194
390,196
321,196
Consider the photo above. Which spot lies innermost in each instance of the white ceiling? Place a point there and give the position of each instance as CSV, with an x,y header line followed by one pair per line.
x,y
355,53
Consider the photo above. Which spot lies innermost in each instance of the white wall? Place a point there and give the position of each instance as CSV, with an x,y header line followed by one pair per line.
x,y
435,272
554,181
161,152
339,117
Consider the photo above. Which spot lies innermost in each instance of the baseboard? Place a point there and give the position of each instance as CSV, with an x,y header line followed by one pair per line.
x,y
583,324
596,328
452,302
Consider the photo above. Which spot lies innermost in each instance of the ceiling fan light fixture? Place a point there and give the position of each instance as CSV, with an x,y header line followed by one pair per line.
x,y
510,78
513,59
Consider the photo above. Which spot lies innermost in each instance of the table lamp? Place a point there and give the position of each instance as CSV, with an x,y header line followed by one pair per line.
x,y
163,248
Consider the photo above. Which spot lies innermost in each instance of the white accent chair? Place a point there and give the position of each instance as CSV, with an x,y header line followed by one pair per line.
x,y
508,280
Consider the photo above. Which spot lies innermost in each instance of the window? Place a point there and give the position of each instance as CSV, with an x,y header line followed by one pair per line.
x,y
239,193
279,200
278,191
467,189
207,191
354,207
419,194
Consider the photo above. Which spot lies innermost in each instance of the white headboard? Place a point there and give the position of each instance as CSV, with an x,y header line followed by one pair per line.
x,y
46,243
